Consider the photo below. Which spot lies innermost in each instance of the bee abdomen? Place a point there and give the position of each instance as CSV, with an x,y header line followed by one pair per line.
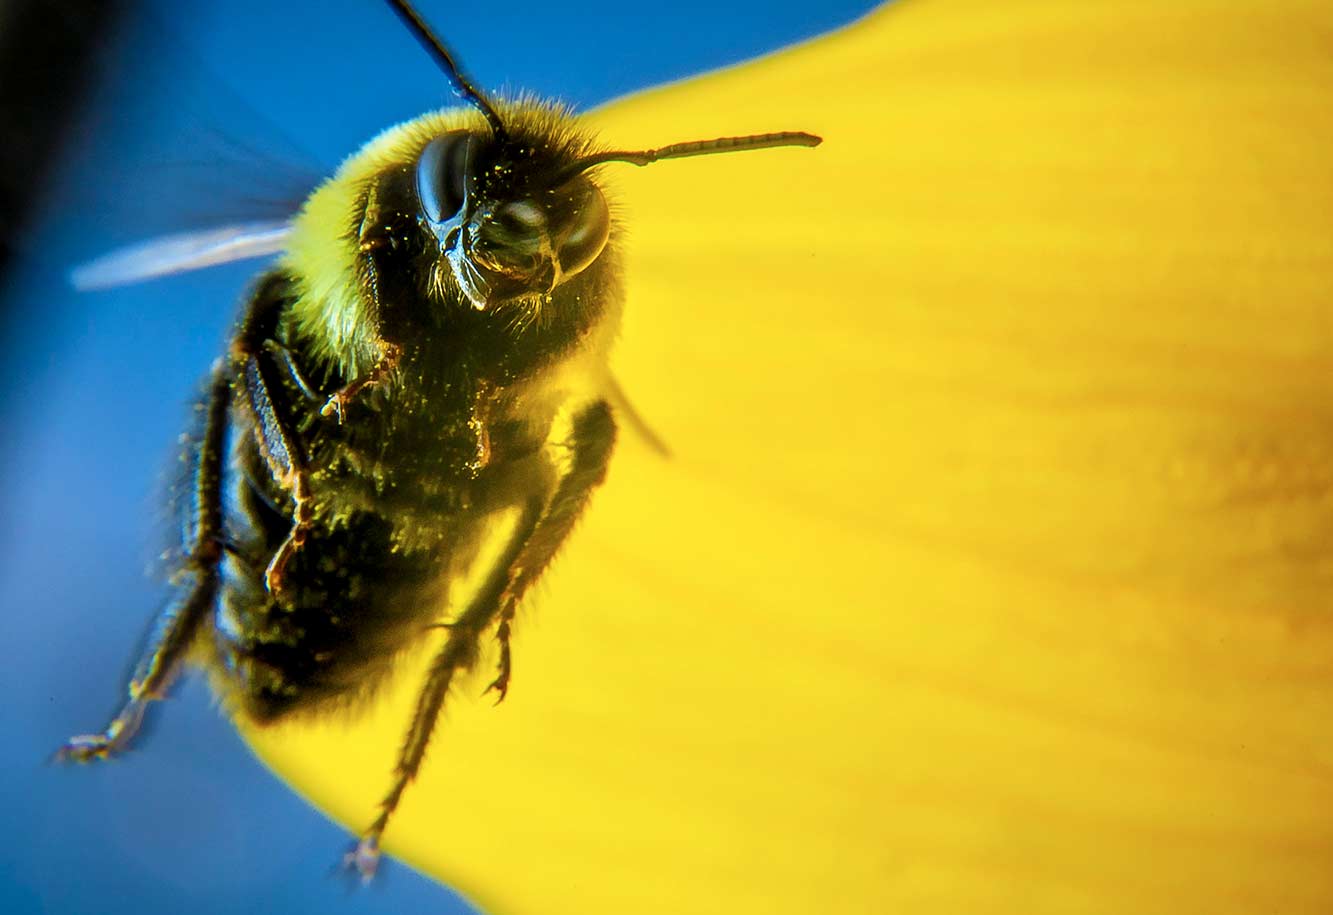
x,y
351,601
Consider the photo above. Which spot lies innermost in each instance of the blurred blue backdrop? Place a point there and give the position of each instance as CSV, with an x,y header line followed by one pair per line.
x,y
202,111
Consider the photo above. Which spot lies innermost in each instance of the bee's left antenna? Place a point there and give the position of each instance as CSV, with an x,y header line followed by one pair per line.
x,y
462,86
691,148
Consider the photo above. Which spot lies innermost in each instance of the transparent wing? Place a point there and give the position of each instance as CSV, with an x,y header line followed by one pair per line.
x,y
181,253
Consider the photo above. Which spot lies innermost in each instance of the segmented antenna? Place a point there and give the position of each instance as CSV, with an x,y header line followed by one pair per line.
x,y
692,148
463,88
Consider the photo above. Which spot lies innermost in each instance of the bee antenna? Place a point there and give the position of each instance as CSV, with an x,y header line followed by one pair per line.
x,y
692,148
463,88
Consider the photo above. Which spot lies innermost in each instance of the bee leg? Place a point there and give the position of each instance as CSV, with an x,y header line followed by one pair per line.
x,y
541,530
259,360
389,352
594,437
179,623
282,453
505,667
459,653
293,371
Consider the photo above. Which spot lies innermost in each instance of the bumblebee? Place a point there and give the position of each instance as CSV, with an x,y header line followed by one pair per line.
x,y
424,371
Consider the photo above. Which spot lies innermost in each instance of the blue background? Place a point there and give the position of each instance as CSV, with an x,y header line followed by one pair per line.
x,y
237,108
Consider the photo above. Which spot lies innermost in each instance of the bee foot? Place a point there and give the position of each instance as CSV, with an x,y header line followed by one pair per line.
x,y
337,403
275,574
85,748
334,405
501,682
364,858
501,686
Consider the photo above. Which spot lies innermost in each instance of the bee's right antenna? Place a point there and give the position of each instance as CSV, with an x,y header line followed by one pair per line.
x,y
462,87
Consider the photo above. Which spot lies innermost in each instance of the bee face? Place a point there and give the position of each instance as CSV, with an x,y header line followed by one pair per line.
x,y
508,225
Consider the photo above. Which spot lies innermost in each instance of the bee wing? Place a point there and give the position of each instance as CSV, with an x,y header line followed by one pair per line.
x,y
181,253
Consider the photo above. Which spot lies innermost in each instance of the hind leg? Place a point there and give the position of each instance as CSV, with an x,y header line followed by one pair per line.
x,y
594,437
179,622
546,521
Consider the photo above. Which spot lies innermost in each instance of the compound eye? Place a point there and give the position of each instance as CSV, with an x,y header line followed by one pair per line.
x,y
588,222
442,173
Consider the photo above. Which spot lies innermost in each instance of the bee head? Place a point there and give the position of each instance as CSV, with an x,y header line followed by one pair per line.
x,y
511,220
509,224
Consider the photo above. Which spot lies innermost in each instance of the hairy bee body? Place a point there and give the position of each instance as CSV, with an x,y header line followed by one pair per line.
x,y
422,380
382,413
412,474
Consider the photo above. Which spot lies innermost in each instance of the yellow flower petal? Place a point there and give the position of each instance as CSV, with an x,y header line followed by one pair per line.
x,y
993,571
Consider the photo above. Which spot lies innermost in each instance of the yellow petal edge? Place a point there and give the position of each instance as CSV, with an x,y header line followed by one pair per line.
x,y
994,568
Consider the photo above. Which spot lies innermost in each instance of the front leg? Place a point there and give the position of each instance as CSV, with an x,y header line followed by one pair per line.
x,y
380,232
390,355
